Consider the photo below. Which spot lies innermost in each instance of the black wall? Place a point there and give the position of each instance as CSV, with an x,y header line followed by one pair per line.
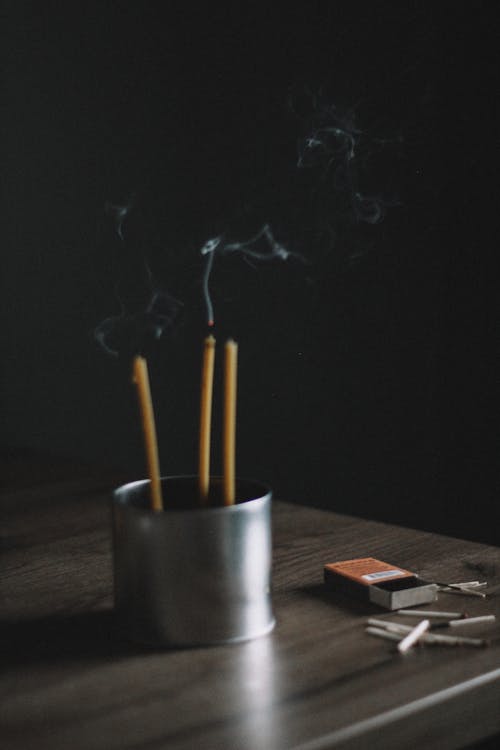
x,y
367,374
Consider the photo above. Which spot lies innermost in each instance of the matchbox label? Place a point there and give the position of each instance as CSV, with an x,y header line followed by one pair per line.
x,y
367,570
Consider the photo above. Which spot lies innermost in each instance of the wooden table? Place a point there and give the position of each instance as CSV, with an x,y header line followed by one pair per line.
x,y
318,681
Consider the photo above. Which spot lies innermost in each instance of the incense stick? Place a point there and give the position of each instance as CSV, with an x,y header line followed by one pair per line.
x,y
229,432
141,379
207,379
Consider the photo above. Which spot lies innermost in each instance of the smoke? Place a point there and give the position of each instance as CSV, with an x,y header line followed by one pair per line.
x,y
133,332
119,214
147,313
331,140
322,196
341,155
260,247
312,202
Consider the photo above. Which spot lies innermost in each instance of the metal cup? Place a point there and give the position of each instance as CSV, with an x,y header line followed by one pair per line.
x,y
191,575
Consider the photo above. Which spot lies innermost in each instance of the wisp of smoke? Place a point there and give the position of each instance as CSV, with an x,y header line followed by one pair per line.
x,y
334,151
260,247
338,150
331,139
118,214
131,333
138,324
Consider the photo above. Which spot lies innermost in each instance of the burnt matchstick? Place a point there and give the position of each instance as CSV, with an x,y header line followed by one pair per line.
x,y
454,640
471,621
393,627
467,589
385,633
396,631
431,614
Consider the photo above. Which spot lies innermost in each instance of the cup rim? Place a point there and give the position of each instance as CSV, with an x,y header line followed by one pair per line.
x,y
119,496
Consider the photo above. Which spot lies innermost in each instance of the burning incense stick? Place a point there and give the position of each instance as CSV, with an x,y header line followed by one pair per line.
x,y
229,433
207,379
141,379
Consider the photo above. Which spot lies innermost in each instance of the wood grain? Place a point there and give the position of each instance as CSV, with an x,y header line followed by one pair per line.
x,y
317,681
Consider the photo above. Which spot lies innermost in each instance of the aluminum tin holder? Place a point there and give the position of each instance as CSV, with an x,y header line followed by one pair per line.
x,y
192,576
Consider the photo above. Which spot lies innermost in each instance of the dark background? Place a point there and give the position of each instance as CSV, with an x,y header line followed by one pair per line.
x,y
367,374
